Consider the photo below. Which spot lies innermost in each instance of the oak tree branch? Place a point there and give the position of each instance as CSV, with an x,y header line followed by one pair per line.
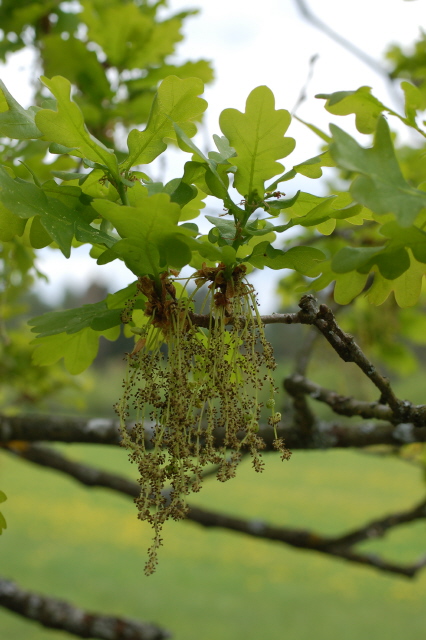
x,y
340,546
59,614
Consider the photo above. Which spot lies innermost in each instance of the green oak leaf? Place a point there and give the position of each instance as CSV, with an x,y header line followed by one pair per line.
x,y
15,121
97,316
176,101
305,260
354,259
26,200
198,69
318,132
77,349
414,102
118,29
321,212
208,176
391,261
193,208
66,126
380,186
180,192
362,103
224,150
311,168
10,224
348,286
72,59
407,287
39,238
147,231
226,228
411,237
258,139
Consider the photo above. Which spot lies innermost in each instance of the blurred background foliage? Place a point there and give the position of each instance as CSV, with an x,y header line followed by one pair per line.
x,y
87,545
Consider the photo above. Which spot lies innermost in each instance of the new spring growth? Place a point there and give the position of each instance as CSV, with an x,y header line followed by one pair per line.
x,y
194,384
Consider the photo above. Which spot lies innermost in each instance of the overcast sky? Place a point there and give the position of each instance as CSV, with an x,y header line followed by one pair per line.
x,y
263,43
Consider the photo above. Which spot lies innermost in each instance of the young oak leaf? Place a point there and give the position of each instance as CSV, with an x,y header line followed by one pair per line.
x,y
367,108
97,316
62,223
414,102
10,224
15,121
150,234
407,287
361,102
66,126
176,101
258,138
77,349
380,186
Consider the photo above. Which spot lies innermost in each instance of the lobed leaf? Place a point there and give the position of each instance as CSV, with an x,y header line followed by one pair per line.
x,y
258,139
176,101
15,121
303,259
362,103
97,316
26,200
78,349
151,238
380,186
407,287
66,126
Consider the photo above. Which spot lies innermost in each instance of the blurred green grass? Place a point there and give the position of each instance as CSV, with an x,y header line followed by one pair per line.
x,y
86,545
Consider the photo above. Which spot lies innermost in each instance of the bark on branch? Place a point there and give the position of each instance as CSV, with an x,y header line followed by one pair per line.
x,y
324,435
59,614
341,546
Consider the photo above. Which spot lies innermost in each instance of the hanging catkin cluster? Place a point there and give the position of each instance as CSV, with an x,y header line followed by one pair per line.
x,y
205,385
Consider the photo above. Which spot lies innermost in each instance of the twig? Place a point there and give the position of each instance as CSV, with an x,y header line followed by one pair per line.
x,y
297,386
302,95
59,614
378,528
300,538
345,346
343,42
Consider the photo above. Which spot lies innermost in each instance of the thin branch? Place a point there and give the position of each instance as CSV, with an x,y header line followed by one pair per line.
x,y
59,614
378,528
297,386
300,538
343,42
303,92
345,346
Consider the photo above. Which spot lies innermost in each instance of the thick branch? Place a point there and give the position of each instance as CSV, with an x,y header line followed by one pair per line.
x,y
302,539
325,435
304,419
59,614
